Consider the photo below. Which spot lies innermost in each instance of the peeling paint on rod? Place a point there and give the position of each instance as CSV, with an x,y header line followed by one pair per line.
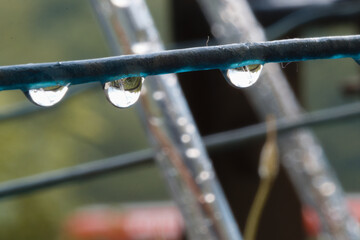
x,y
28,76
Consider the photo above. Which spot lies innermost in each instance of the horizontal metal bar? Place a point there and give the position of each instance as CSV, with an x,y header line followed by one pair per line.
x,y
330,115
174,61
276,6
213,143
333,12
72,174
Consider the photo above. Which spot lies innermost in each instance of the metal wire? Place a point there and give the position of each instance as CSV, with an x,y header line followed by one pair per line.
x,y
78,173
310,14
174,61
213,142
226,139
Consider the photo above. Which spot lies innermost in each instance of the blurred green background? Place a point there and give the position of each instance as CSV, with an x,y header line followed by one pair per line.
x,y
86,127
81,129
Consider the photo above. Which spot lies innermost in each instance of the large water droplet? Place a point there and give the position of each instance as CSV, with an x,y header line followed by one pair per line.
x,y
47,96
245,76
124,92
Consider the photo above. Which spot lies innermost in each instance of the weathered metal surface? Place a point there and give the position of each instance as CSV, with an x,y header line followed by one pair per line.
x,y
174,61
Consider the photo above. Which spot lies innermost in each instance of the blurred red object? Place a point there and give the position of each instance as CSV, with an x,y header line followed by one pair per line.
x,y
311,220
132,222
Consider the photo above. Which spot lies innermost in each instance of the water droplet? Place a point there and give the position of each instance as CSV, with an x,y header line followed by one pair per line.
x,y
181,121
143,47
155,121
158,95
327,188
121,3
203,176
171,80
190,128
124,92
48,96
209,198
192,153
243,77
185,138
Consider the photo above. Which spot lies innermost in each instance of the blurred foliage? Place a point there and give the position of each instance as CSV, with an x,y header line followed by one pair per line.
x,y
83,128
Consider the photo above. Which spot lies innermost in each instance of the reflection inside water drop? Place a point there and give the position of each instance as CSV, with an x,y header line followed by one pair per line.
x,y
245,76
48,96
124,92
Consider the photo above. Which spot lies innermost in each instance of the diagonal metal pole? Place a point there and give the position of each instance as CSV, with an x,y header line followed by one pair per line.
x,y
180,152
232,21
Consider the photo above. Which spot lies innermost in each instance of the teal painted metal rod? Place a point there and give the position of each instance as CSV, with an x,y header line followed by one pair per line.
x,y
174,61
